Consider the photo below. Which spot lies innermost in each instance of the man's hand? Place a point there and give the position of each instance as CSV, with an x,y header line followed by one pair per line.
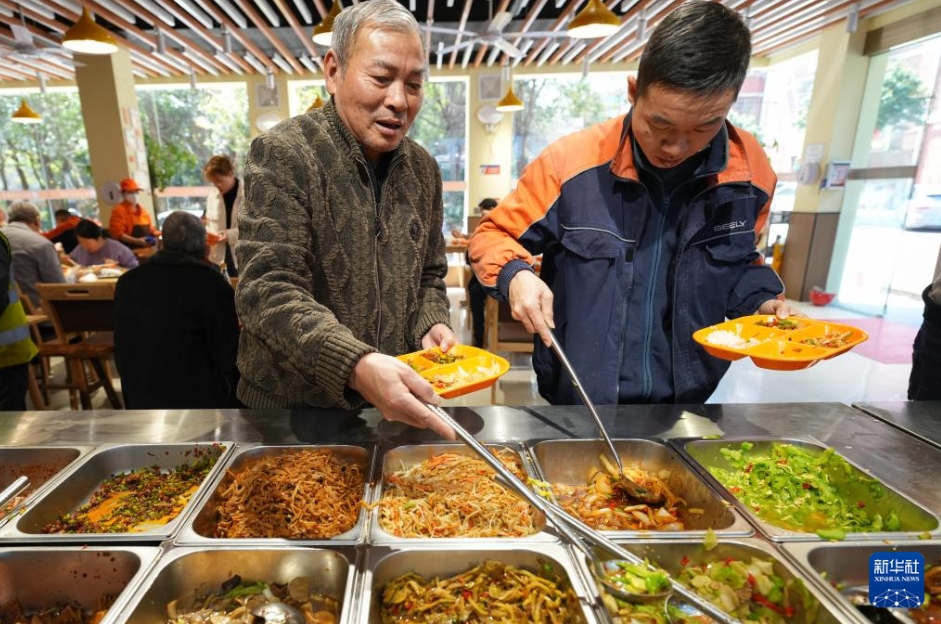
x,y
531,304
398,392
781,309
439,335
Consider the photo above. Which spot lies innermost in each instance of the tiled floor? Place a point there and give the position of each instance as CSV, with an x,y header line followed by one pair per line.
x,y
847,378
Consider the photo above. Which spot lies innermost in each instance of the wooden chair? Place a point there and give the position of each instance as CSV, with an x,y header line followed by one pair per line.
x,y
502,332
86,310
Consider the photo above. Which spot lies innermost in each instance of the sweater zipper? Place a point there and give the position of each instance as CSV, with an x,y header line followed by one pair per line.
x,y
377,228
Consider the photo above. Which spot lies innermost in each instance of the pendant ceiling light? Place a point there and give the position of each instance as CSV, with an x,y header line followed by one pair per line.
x,y
25,114
317,103
87,37
594,21
510,103
323,32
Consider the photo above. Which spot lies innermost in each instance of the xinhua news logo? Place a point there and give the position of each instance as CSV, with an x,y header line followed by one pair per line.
x,y
896,579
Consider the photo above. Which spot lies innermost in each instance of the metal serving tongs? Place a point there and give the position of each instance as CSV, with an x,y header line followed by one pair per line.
x,y
634,490
571,527
12,490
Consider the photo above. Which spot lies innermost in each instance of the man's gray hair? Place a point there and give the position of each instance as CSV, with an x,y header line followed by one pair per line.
x,y
23,212
384,15
182,232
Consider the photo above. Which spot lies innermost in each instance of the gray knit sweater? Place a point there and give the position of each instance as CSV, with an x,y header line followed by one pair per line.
x,y
328,272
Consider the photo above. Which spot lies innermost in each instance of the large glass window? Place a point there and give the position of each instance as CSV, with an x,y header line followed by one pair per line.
x,y
46,163
772,105
183,128
890,221
561,104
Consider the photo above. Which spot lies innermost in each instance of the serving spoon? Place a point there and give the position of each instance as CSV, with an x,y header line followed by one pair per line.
x,y
572,526
278,613
633,489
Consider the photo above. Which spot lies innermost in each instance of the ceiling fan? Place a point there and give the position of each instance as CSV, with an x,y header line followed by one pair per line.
x,y
25,47
492,35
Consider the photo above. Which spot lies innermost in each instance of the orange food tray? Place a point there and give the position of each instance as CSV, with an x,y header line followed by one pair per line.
x,y
774,348
473,369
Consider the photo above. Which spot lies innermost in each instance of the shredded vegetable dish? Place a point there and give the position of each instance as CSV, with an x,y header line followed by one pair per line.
x,y
492,592
793,488
233,601
453,495
830,340
11,612
773,321
136,501
439,357
604,505
304,494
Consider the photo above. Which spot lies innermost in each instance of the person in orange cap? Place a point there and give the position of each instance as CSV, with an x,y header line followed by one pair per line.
x,y
130,223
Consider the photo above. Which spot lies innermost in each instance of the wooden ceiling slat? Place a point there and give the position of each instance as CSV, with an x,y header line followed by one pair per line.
x,y
659,10
556,26
239,35
484,47
188,44
462,25
260,24
803,20
298,28
569,45
54,26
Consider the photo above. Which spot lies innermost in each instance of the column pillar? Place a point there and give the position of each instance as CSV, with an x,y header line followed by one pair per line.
x,y
112,125
831,121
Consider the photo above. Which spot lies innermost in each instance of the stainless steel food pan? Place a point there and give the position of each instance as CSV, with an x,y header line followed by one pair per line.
x,y
846,564
40,577
384,564
915,520
41,464
672,555
403,457
75,488
183,569
572,461
200,527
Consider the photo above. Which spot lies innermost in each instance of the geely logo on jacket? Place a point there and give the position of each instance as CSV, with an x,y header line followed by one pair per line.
x,y
734,225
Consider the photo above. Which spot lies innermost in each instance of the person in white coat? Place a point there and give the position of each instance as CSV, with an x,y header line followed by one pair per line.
x,y
222,210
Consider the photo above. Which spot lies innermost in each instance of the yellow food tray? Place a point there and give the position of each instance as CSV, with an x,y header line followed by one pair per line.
x,y
461,370
769,345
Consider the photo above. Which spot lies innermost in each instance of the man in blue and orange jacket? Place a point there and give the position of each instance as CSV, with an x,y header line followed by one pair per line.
x,y
647,224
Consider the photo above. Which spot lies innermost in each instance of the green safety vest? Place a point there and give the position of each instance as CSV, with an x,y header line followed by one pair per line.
x,y
16,347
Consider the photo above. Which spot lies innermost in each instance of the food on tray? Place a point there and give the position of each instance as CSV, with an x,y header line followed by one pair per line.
x,y
305,494
778,323
638,578
439,357
750,591
451,495
831,340
136,501
11,612
794,489
726,338
603,504
462,377
490,592
234,601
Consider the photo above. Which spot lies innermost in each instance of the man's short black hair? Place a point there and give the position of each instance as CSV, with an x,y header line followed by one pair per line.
x,y
62,214
701,48
488,203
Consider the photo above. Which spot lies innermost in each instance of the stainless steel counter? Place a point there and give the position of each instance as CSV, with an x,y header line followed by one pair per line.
x,y
902,461
919,418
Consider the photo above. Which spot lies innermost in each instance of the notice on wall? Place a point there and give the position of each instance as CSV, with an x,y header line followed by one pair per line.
x,y
490,169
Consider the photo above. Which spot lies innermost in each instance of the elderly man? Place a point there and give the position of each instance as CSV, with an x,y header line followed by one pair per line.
x,y
34,258
341,254
175,330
